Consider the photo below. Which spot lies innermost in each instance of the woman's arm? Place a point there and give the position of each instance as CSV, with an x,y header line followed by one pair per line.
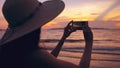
x,y
85,60
57,49
67,31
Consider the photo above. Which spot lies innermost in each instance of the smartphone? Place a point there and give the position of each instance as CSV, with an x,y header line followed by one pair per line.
x,y
79,24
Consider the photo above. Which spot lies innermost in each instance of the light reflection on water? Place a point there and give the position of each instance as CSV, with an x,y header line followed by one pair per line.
x,y
101,37
106,38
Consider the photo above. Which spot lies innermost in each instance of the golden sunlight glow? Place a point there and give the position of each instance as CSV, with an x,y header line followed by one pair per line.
x,y
81,10
50,23
3,24
118,24
87,11
114,14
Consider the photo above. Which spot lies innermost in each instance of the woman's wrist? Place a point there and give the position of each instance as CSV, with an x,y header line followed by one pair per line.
x,y
88,35
64,37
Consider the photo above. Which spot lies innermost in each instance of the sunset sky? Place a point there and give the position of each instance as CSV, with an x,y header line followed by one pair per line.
x,y
100,13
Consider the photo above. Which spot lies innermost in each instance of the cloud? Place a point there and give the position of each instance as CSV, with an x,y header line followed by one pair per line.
x,y
116,17
108,10
104,24
94,14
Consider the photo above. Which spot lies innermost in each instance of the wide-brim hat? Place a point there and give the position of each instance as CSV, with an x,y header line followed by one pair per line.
x,y
24,16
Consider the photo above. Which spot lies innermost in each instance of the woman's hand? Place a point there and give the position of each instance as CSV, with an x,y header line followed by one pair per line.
x,y
88,33
68,29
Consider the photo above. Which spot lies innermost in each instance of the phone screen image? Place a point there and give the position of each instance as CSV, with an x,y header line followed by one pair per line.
x,y
79,24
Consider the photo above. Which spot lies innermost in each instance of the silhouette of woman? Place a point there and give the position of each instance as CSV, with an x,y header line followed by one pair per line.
x,y
41,58
24,52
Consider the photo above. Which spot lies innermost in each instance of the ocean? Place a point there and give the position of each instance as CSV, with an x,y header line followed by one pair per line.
x,y
105,52
106,45
104,39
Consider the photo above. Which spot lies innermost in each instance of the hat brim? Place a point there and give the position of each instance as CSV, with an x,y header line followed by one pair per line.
x,y
47,12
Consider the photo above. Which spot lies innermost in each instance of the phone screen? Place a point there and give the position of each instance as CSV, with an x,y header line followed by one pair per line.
x,y
79,24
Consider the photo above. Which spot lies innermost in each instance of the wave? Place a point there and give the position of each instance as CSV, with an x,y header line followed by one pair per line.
x,y
95,59
96,50
103,48
2,29
91,28
63,29
73,40
106,28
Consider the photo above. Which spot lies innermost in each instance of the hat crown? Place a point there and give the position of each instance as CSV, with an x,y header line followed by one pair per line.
x,y
45,13
15,11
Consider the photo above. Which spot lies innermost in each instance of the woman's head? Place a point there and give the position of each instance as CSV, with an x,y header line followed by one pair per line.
x,y
25,17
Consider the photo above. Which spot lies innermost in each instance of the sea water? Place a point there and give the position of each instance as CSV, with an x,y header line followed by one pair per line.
x,y
106,41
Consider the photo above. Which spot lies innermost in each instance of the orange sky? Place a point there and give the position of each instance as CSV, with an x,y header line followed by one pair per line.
x,y
91,10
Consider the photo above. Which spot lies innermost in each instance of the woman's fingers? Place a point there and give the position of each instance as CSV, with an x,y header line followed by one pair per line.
x,y
69,24
71,29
